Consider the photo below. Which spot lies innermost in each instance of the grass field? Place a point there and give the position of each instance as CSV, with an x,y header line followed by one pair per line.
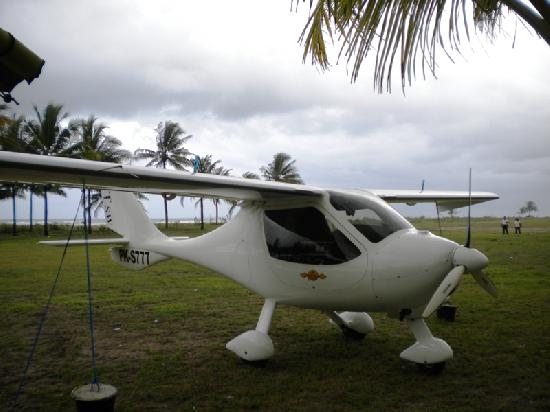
x,y
161,336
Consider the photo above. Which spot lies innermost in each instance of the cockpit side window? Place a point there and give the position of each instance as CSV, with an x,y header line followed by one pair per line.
x,y
304,235
375,221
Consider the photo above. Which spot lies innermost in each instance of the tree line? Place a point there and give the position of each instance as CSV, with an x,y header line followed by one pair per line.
x,y
52,133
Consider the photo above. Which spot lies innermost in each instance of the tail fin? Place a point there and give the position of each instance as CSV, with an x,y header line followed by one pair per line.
x,y
125,215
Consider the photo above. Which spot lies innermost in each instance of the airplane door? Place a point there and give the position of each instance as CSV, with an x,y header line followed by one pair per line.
x,y
309,250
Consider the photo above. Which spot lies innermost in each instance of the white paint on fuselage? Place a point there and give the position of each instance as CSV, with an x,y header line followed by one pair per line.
x,y
401,271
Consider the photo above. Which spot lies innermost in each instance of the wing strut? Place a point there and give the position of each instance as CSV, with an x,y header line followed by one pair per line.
x,y
438,218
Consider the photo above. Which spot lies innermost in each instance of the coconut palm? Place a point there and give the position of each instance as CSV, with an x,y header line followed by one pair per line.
x,y
13,139
530,206
12,191
206,165
93,143
250,175
281,169
170,152
47,136
403,28
216,201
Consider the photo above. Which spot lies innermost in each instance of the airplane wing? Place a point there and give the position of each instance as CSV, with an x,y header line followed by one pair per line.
x,y
27,168
444,199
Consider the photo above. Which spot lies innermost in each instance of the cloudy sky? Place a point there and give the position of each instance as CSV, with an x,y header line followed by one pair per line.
x,y
231,73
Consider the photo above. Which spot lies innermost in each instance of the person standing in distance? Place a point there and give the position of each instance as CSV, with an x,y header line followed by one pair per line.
x,y
504,225
517,226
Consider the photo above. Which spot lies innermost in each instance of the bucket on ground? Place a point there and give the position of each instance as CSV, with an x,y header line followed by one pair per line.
x,y
96,397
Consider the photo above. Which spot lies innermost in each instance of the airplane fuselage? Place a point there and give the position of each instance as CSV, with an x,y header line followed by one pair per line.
x,y
398,272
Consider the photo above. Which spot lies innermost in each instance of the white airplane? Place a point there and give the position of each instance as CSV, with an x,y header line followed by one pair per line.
x,y
343,252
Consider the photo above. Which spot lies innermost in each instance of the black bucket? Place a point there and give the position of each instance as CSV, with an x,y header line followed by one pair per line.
x,y
98,397
446,312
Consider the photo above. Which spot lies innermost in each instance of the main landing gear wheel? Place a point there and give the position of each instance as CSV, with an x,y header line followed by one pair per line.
x,y
431,368
259,364
351,333
354,325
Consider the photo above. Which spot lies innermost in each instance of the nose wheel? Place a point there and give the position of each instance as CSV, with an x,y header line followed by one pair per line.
x,y
428,353
431,368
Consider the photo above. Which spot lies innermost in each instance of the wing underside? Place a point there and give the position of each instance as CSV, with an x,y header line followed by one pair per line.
x,y
444,199
26,168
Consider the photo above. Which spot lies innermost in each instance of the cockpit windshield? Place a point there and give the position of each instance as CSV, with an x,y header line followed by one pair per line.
x,y
375,220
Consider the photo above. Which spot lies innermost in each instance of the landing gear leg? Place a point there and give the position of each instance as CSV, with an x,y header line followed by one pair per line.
x,y
354,325
255,345
429,353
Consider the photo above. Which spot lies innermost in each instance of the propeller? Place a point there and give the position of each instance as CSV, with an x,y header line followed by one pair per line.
x,y
443,290
481,279
465,260
468,229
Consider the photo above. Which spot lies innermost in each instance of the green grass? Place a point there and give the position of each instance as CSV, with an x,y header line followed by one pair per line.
x,y
161,336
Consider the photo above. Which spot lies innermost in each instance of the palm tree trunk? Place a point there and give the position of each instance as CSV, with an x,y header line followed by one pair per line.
x,y
216,207
165,212
165,202
202,215
89,212
30,210
46,210
14,226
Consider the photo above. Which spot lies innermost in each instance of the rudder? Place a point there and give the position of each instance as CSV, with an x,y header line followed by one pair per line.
x,y
125,215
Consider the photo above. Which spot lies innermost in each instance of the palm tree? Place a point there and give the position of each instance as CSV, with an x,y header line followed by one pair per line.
x,y
530,206
94,144
13,139
386,28
251,175
281,169
12,191
170,152
46,136
222,172
205,165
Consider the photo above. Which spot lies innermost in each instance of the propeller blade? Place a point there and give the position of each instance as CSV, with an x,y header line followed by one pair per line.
x,y
483,281
443,290
468,231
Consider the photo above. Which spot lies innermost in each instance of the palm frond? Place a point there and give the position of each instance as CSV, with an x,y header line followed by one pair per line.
x,y
398,31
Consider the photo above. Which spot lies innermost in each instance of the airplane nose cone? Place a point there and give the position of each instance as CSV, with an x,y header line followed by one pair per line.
x,y
472,259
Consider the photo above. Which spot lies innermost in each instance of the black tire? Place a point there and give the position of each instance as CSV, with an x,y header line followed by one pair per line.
x,y
260,364
431,368
352,334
